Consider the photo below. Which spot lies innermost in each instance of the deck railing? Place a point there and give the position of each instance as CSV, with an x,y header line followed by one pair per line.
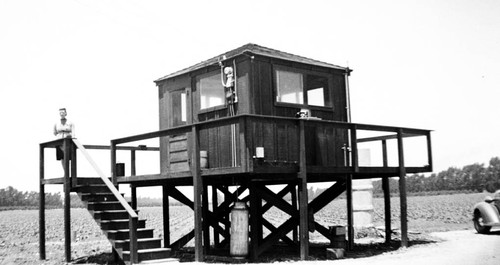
x,y
248,127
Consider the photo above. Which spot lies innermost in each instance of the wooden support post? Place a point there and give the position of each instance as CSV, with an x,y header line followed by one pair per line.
x,y
303,200
350,213
387,196
42,205
215,204
402,190
67,201
166,217
295,233
134,257
197,194
206,223
254,221
387,209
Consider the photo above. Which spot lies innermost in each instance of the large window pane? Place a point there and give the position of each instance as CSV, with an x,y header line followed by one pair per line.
x,y
211,90
317,91
289,87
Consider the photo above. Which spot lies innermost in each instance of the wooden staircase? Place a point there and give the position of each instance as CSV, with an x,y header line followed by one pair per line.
x,y
113,220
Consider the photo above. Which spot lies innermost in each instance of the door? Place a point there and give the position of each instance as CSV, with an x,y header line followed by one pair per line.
x,y
178,148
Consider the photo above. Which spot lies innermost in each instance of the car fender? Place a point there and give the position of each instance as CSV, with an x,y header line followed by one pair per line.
x,y
489,212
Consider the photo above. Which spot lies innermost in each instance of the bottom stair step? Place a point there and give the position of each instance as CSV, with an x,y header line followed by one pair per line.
x,y
149,254
142,243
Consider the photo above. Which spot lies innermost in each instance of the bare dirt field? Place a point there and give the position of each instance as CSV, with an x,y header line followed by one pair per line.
x,y
440,232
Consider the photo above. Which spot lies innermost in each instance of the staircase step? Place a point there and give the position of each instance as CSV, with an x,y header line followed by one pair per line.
x,y
149,254
87,181
91,189
103,206
89,197
123,234
111,214
117,224
143,243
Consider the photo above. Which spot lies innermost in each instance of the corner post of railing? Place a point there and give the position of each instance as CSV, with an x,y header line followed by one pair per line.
x,y
74,180
303,200
429,150
42,204
134,257
132,163
244,156
354,148
198,192
113,162
67,201
402,190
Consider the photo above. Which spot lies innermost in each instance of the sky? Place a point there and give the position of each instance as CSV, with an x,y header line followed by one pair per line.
x,y
420,64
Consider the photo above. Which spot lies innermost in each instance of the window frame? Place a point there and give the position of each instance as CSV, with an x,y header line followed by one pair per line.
x,y
304,74
199,89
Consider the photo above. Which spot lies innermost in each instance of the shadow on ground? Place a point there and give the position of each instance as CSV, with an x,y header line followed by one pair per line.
x,y
279,253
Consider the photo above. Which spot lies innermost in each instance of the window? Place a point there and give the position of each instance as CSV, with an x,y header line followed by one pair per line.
x,y
179,107
302,88
211,90
317,91
289,86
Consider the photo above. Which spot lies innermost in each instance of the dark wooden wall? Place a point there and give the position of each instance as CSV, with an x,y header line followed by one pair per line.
x,y
256,95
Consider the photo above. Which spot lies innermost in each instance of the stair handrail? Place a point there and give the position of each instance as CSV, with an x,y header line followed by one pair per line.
x,y
133,217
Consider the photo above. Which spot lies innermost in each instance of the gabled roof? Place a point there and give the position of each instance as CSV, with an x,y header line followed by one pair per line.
x,y
256,50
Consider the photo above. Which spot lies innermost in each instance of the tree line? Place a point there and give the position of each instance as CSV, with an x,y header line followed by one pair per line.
x,y
11,197
470,178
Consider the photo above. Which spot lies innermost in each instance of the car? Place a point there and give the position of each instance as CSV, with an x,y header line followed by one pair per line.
x,y
487,213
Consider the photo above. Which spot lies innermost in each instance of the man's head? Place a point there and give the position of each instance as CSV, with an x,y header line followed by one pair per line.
x,y
62,112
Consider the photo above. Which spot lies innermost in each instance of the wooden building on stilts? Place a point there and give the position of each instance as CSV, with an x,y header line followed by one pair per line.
x,y
235,125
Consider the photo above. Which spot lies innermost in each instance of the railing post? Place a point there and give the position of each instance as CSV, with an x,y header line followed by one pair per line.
x,y
42,204
402,190
67,200
132,163
134,257
113,162
74,180
354,149
429,150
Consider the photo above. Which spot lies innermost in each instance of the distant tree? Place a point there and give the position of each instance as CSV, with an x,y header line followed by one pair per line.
x,y
493,175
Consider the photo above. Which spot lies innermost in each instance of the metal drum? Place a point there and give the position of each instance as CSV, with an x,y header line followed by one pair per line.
x,y
239,231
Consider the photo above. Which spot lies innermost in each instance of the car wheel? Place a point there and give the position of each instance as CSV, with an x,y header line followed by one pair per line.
x,y
478,223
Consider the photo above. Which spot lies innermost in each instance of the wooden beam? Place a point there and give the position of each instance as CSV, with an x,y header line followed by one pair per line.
x,y
207,220
402,190
255,220
387,210
166,216
183,240
215,205
67,200
197,194
41,208
179,196
273,229
303,200
327,196
350,215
